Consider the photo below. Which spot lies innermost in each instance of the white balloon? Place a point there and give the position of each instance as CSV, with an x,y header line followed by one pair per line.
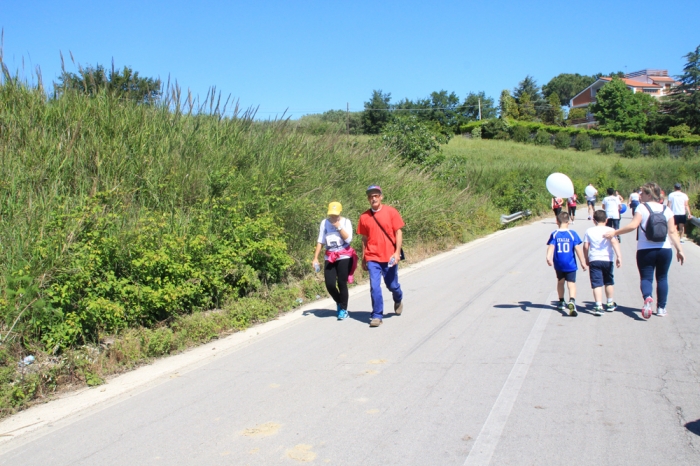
x,y
559,185
590,191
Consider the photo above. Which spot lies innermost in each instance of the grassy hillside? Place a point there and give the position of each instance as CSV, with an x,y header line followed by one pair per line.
x,y
512,174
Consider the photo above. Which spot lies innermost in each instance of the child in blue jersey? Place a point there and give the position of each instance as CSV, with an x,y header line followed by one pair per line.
x,y
561,247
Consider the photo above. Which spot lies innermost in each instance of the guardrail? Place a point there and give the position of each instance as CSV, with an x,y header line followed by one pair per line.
x,y
694,220
513,217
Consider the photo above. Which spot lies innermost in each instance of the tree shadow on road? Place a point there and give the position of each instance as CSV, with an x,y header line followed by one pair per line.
x,y
694,427
528,305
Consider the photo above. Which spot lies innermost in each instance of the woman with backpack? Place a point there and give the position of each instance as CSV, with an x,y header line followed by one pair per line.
x,y
656,234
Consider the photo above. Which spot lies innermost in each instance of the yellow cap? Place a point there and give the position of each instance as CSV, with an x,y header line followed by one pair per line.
x,y
334,208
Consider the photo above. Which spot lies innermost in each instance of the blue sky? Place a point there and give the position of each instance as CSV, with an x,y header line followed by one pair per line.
x,y
312,56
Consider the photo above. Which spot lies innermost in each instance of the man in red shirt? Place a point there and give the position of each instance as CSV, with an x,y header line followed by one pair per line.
x,y
380,227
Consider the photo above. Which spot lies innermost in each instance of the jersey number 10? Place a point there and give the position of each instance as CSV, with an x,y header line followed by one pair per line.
x,y
563,247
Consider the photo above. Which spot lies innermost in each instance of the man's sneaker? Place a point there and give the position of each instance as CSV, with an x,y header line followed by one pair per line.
x,y
610,306
598,311
398,308
646,309
561,305
661,312
342,314
572,309
375,322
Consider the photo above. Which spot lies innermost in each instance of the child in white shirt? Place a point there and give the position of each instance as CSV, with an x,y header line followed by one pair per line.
x,y
598,252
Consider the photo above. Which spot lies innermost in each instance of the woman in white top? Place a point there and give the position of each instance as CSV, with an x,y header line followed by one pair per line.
x,y
653,257
335,235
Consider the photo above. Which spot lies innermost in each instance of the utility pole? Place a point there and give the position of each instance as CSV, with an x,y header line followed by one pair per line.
x,y
479,108
347,119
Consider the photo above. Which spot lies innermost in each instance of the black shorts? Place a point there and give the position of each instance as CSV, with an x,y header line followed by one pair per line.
x,y
601,273
680,219
567,276
591,203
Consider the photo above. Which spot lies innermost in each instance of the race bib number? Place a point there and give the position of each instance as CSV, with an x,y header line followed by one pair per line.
x,y
333,240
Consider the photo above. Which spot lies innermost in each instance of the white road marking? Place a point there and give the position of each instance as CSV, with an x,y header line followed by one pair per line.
x,y
490,434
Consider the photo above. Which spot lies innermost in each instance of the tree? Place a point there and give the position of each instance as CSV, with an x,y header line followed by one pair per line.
x,y
567,85
617,109
414,140
684,102
552,113
470,107
376,113
527,86
123,83
526,108
507,106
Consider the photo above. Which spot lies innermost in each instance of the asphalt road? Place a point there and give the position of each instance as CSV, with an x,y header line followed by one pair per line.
x,y
479,369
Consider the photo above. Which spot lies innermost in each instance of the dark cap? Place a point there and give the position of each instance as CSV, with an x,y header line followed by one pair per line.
x,y
677,186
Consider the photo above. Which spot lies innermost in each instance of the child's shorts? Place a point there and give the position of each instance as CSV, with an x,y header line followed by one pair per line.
x,y
567,276
601,273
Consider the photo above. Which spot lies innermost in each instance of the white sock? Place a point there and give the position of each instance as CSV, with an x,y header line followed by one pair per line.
x,y
598,303
610,300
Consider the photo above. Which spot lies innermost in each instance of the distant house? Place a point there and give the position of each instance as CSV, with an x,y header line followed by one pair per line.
x,y
656,83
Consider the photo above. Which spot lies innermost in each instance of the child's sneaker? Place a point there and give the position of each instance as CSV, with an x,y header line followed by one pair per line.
x,y
610,306
561,305
646,309
661,312
342,314
598,311
572,309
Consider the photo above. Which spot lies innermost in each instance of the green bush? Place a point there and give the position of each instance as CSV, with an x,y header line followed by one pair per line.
x,y
607,146
688,152
476,132
543,138
577,113
583,142
491,128
562,141
631,149
680,131
414,140
520,134
658,149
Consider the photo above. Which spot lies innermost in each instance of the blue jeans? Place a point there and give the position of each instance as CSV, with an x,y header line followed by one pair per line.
x,y
654,260
377,270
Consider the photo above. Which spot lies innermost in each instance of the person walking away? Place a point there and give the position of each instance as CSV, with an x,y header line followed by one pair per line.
x,y
561,247
620,198
382,238
335,234
656,233
634,200
571,204
557,203
611,205
590,199
598,251
678,203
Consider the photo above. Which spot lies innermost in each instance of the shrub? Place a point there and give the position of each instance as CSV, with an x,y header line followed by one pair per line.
x,y
493,127
680,131
502,136
476,133
520,134
583,142
543,138
562,141
413,140
631,149
688,152
658,149
577,114
607,146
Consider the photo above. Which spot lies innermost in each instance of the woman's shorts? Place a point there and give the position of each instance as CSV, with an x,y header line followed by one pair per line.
x,y
601,273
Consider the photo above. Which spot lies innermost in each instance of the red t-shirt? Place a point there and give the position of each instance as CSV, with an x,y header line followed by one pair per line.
x,y
379,248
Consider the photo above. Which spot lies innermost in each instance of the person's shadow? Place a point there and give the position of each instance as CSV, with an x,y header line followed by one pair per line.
x,y
694,427
528,305
360,316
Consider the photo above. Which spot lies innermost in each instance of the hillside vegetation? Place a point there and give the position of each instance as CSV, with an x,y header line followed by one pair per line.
x,y
133,230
